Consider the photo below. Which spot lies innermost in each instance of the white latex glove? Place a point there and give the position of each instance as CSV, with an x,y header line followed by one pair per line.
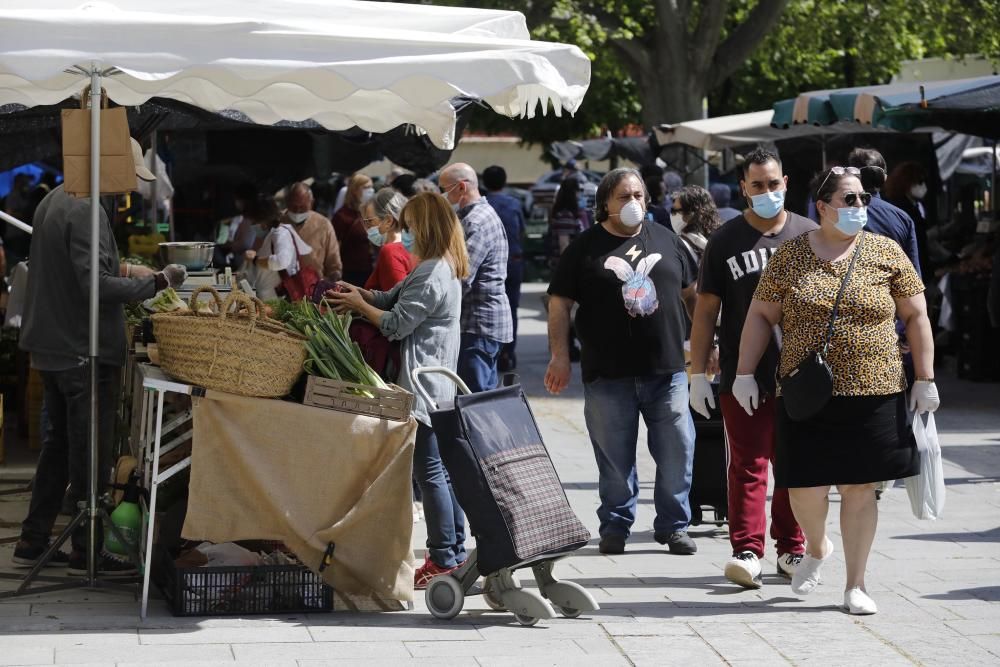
x,y
746,393
700,393
924,396
175,274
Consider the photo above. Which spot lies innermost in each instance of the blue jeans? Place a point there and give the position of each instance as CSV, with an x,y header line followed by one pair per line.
x,y
477,362
65,456
442,513
612,409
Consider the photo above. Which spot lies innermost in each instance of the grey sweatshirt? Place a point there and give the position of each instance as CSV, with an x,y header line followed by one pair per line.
x,y
56,310
423,311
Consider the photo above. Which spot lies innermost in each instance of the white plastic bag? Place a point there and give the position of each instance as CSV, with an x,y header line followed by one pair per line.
x,y
926,490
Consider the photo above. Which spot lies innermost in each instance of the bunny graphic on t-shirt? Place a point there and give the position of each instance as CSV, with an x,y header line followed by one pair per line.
x,y
637,290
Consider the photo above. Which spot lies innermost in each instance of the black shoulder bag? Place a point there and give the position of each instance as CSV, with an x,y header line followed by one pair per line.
x,y
809,387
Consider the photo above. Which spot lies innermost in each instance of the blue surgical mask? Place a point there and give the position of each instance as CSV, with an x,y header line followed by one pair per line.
x,y
408,239
375,236
851,219
768,204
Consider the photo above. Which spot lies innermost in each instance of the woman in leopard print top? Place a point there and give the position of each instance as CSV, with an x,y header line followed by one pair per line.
x,y
860,437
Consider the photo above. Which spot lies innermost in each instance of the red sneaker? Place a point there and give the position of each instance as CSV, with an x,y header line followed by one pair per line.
x,y
428,571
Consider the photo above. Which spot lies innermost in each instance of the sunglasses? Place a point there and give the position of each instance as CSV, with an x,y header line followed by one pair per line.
x,y
852,197
839,171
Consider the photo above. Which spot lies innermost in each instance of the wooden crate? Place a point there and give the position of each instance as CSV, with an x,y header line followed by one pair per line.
x,y
394,403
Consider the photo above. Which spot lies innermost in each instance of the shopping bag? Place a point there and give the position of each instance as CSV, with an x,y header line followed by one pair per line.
x,y
926,490
117,166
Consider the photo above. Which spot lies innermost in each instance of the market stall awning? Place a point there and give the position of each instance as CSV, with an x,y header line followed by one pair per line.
x,y
744,129
340,63
974,110
635,149
873,106
33,134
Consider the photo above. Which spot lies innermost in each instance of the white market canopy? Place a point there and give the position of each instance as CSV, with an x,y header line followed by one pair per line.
x,y
744,129
340,63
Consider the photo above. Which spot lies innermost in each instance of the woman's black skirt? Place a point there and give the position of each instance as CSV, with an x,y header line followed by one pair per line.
x,y
853,440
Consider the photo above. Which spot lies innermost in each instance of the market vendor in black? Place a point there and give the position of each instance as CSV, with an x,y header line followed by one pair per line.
x,y
55,331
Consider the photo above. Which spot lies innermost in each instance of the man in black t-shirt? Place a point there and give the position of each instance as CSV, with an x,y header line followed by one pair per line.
x,y
632,281
736,254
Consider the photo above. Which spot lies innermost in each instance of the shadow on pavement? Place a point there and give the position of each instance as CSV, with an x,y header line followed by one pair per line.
x,y
982,536
667,611
986,593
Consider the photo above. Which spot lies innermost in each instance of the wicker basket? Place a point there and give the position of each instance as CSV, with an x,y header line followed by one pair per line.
x,y
239,352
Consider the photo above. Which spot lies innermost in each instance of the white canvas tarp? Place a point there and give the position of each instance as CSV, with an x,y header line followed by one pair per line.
x,y
743,129
341,63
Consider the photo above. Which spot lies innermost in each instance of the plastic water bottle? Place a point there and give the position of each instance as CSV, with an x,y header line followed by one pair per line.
x,y
127,517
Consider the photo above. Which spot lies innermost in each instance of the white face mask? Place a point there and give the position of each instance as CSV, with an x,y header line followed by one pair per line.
x,y
919,191
298,218
632,214
677,222
367,194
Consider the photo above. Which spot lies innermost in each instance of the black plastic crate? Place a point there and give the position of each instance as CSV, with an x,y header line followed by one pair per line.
x,y
242,590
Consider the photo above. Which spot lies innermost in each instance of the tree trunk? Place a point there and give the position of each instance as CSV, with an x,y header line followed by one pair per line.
x,y
669,101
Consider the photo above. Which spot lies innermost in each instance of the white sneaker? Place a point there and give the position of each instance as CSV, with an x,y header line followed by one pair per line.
x,y
857,602
788,563
418,512
806,576
744,569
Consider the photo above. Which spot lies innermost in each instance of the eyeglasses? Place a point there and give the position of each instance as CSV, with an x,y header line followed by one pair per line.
x,y
839,171
852,197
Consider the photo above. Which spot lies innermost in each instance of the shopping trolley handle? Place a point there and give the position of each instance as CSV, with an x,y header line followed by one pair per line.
x,y
440,370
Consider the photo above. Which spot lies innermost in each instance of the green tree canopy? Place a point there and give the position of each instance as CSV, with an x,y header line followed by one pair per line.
x,y
654,61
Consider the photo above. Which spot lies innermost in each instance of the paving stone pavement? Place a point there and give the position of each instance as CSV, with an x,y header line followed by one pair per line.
x,y
937,585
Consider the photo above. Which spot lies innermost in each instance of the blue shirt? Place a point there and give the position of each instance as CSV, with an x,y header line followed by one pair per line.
x,y
509,211
893,222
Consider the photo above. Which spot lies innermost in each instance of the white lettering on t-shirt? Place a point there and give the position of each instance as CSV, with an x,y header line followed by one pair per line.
x,y
748,262
735,268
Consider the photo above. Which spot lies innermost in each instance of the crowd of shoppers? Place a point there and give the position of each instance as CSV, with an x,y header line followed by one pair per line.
x,y
769,284
436,269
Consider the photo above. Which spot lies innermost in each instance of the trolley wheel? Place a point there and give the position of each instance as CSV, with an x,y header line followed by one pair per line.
x,y
444,597
569,612
492,601
525,620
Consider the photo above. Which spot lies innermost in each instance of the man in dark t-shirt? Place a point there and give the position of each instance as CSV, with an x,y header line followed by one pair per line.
x,y
632,280
735,257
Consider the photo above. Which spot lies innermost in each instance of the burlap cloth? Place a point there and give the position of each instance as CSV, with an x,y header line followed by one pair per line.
x,y
267,469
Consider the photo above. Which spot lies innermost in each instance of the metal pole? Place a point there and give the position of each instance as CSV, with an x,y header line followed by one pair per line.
x,y
704,152
95,256
152,186
993,186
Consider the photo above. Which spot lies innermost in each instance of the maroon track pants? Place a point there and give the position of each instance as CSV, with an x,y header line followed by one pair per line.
x,y
750,440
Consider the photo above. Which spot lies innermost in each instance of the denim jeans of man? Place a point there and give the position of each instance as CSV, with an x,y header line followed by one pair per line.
x,y
442,513
477,362
612,408
65,456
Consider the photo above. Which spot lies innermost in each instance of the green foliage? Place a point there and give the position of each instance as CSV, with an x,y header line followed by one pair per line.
x,y
820,45
816,44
